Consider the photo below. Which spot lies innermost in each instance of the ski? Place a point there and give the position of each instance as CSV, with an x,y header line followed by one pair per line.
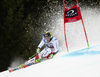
x,y
11,70
24,66
17,68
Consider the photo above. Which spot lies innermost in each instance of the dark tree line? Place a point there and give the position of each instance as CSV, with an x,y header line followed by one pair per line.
x,y
16,18
20,28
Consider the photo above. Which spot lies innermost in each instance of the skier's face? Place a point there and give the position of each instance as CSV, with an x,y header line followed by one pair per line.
x,y
47,39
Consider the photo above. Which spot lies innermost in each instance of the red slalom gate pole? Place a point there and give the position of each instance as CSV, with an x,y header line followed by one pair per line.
x,y
85,33
65,37
77,1
84,29
65,26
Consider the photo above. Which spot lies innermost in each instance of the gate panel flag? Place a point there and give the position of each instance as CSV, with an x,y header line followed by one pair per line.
x,y
73,14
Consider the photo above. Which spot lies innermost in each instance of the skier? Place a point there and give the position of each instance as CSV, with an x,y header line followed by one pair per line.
x,y
48,52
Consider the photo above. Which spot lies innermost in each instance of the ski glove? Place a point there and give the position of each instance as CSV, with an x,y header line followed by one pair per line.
x,y
38,50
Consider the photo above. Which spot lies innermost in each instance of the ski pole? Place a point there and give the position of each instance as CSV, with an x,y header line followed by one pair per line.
x,y
33,56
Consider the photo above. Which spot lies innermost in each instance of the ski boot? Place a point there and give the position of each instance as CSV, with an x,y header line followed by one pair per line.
x,y
51,56
38,60
21,66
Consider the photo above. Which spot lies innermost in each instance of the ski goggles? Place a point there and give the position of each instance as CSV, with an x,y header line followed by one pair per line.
x,y
47,38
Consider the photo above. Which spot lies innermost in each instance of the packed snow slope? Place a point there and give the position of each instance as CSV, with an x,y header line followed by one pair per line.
x,y
81,63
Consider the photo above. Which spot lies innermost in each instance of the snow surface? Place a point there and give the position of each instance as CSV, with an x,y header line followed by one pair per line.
x,y
81,63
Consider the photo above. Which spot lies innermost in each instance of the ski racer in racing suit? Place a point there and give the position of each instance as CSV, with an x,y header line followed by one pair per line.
x,y
49,51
